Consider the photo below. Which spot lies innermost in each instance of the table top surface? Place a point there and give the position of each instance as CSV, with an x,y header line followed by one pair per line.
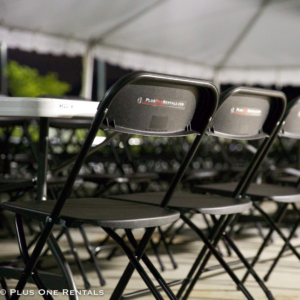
x,y
47,107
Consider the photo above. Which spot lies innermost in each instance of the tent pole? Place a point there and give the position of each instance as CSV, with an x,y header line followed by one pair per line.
x,y
87,74
101,79
3,65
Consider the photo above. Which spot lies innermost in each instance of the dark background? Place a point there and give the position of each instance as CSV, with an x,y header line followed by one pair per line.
x,y
69,69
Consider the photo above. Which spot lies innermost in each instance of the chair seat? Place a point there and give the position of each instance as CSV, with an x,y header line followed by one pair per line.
x,y
256,191
185,201
134,177
97,211
9,185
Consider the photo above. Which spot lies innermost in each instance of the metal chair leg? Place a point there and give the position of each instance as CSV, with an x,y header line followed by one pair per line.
x,y
114,250
248,266
285,246
213,251
77,259
155,247
92,256
277,229
278,219
169,251
63,265
134,262
120,288
25,255
5,288
151,267
212,235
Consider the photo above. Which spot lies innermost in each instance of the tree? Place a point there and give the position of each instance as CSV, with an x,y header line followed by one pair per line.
x,y
24,81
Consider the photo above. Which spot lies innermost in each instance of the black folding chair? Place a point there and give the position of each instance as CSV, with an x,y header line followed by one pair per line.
x,y
284,196
244,113
140,103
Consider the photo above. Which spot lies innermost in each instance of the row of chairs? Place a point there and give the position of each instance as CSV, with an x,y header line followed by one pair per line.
x,y
166,106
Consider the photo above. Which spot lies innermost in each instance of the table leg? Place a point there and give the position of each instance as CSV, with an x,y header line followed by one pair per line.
x,y
42,160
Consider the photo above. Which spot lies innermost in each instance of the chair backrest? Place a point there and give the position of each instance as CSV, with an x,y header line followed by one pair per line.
x,y
159,105
247,113
291,125
153,105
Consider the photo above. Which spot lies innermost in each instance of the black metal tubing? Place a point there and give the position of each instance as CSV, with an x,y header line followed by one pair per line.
x,y
70,161
25,255
129,270
121,286
278,219
5,288
183,167
277,229
77,259
98,120
134,261
169,251
155,250
32,146
141,293
50,221
285,246
151,267
62,232
274,125
248,266
114,250
212,235
62,264
221,225
217,256
43,160
92,255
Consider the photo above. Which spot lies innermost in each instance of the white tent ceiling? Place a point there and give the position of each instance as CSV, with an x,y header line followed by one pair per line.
x,y
230,41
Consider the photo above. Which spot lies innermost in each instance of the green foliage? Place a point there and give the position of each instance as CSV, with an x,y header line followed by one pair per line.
x,y
24,81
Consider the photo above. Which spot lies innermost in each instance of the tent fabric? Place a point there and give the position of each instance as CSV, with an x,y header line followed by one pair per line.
x,y
232,41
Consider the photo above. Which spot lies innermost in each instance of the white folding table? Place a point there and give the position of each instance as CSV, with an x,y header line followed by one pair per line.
x,y
45,108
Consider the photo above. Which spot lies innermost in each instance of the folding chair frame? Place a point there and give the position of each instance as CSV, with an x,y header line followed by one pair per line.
x,y
53,218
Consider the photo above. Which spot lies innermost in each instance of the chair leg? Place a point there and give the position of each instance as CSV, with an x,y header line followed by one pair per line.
x,y
155,247
151,267
169,251
277,229
285,245
114,250
278,219
77,259
248,266
25,255
212,236
134,262
92,256
101,244
62,264
213,251
120,288
5,288
33,258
